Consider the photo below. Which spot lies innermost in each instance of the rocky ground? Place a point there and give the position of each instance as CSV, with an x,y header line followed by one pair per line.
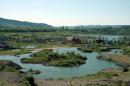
x,y
9,79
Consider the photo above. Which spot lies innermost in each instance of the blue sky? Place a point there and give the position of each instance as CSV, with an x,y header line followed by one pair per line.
x,y
68,12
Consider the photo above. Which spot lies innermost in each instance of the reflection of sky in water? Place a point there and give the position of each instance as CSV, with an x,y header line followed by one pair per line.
x,y
92,65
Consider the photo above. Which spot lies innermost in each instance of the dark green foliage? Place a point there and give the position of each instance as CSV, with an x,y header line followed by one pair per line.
x,y
26,81
9,22
31,72
110,74
24,29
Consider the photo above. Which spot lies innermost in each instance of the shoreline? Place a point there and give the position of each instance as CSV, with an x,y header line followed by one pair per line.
x,y
120,60
105,76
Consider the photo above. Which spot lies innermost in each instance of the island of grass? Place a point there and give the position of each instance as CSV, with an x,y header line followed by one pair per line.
x,y
50,58
95,47
90,50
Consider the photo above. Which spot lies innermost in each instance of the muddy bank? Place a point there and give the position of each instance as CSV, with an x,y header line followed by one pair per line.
x,y
6,65
121,60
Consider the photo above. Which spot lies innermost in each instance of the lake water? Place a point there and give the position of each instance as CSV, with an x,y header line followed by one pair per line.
x,y
92,65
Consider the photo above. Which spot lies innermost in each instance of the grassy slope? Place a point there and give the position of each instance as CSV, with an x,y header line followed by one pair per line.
x,y
8,66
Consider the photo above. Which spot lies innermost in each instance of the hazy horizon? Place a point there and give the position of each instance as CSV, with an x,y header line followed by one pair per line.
x,y
68,12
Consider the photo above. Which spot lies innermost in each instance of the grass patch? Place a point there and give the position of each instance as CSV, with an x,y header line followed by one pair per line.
x,y
50,58
14,52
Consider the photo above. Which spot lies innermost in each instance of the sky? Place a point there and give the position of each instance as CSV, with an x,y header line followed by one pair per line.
x,y
68,12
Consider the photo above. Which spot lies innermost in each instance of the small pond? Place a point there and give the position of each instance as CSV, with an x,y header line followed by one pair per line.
x,y
92,65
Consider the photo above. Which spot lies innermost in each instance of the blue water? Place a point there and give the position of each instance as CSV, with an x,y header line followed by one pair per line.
x,y
92,65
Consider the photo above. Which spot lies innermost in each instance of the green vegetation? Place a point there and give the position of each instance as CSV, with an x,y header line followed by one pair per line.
x,y
44,37
126,51
26,81
14,52
110,74
10,75
8,66
50,58
25,29
41,36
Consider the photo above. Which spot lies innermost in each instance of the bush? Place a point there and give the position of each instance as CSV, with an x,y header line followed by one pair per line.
x,y
110,75
26,81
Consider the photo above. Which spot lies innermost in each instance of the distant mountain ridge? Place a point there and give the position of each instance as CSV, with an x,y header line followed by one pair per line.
x,y
11,22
